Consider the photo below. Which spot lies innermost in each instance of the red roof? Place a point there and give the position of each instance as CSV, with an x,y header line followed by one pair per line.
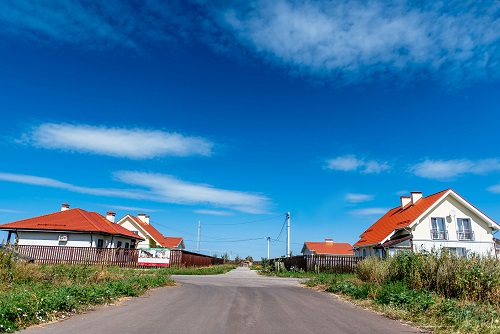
x,y
77,220
172,242
397,218
169,242
150,230
328,247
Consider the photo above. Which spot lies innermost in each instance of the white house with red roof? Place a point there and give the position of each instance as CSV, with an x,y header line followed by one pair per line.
x,y
72,228
327,247
441,221
141,226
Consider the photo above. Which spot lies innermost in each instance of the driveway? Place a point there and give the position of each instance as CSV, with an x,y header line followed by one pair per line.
x,y
238,302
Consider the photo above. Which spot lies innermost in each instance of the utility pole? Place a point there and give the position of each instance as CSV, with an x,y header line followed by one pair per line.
x,y
199,233
268,246
288,234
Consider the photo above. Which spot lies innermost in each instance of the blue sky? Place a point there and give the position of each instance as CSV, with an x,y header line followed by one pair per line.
x,y
234,114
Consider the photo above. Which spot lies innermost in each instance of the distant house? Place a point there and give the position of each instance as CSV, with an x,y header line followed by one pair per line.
x,y
444,220
152,238
327,247
72,228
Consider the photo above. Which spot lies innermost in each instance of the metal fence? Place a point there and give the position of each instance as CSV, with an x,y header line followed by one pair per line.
x,y
104,256
318,263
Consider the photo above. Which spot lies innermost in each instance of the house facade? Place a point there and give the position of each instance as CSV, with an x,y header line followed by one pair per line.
x,y
152,238
441,221
328,247
71,228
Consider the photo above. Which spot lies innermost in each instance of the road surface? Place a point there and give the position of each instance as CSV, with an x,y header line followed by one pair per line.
x,y
238,302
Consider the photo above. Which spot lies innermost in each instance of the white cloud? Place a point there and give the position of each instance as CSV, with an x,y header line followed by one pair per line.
x,y
346,163
359,41
214,212
130,143
444,170
10,211
358,198
494,189
52,183
159,188
342,41
173,190
351,163
369,212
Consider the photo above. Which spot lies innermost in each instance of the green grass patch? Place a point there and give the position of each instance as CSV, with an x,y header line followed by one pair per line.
x,y
34,294
212,270
438,292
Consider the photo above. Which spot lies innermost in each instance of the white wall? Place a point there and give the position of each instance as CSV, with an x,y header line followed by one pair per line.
x,y
483,238
73,239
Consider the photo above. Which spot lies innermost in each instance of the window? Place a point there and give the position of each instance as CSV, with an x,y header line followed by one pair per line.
x,y
458,251
364,252
100,243
135,232
132,244
118,244
438,229
126,245
464,229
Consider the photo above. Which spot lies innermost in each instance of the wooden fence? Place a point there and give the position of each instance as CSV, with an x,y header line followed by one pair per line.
x,y
104,256
319,263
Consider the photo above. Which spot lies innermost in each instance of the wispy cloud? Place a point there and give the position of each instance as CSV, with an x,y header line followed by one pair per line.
x,y
351,163
444,170
358,198
52,183
129,208
159,188
10,211
347,42
173,190
368,212
133,143
214,212
355,41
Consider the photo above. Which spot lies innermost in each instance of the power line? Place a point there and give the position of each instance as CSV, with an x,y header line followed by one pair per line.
x,y
281,232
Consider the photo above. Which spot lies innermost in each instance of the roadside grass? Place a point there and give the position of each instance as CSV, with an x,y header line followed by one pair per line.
x,y
212,270
461,299
34,294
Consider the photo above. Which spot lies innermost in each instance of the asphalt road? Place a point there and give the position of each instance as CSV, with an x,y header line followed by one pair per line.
x,y
238,302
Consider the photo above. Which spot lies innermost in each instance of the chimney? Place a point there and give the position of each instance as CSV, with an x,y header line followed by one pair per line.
x,y
110,215
415,196
146,220
404,201
142,217
328,240
64,207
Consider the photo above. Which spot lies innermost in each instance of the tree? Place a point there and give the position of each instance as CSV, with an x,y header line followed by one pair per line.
x,y
225,257
237,258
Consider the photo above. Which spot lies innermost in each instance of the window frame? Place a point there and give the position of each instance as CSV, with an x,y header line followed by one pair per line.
x,y
436,232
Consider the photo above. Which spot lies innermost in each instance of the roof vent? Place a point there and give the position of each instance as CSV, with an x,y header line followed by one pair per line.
x,y
415,196
64,207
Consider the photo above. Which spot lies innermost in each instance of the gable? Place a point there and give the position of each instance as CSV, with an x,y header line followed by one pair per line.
x,y
145,229
413,214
